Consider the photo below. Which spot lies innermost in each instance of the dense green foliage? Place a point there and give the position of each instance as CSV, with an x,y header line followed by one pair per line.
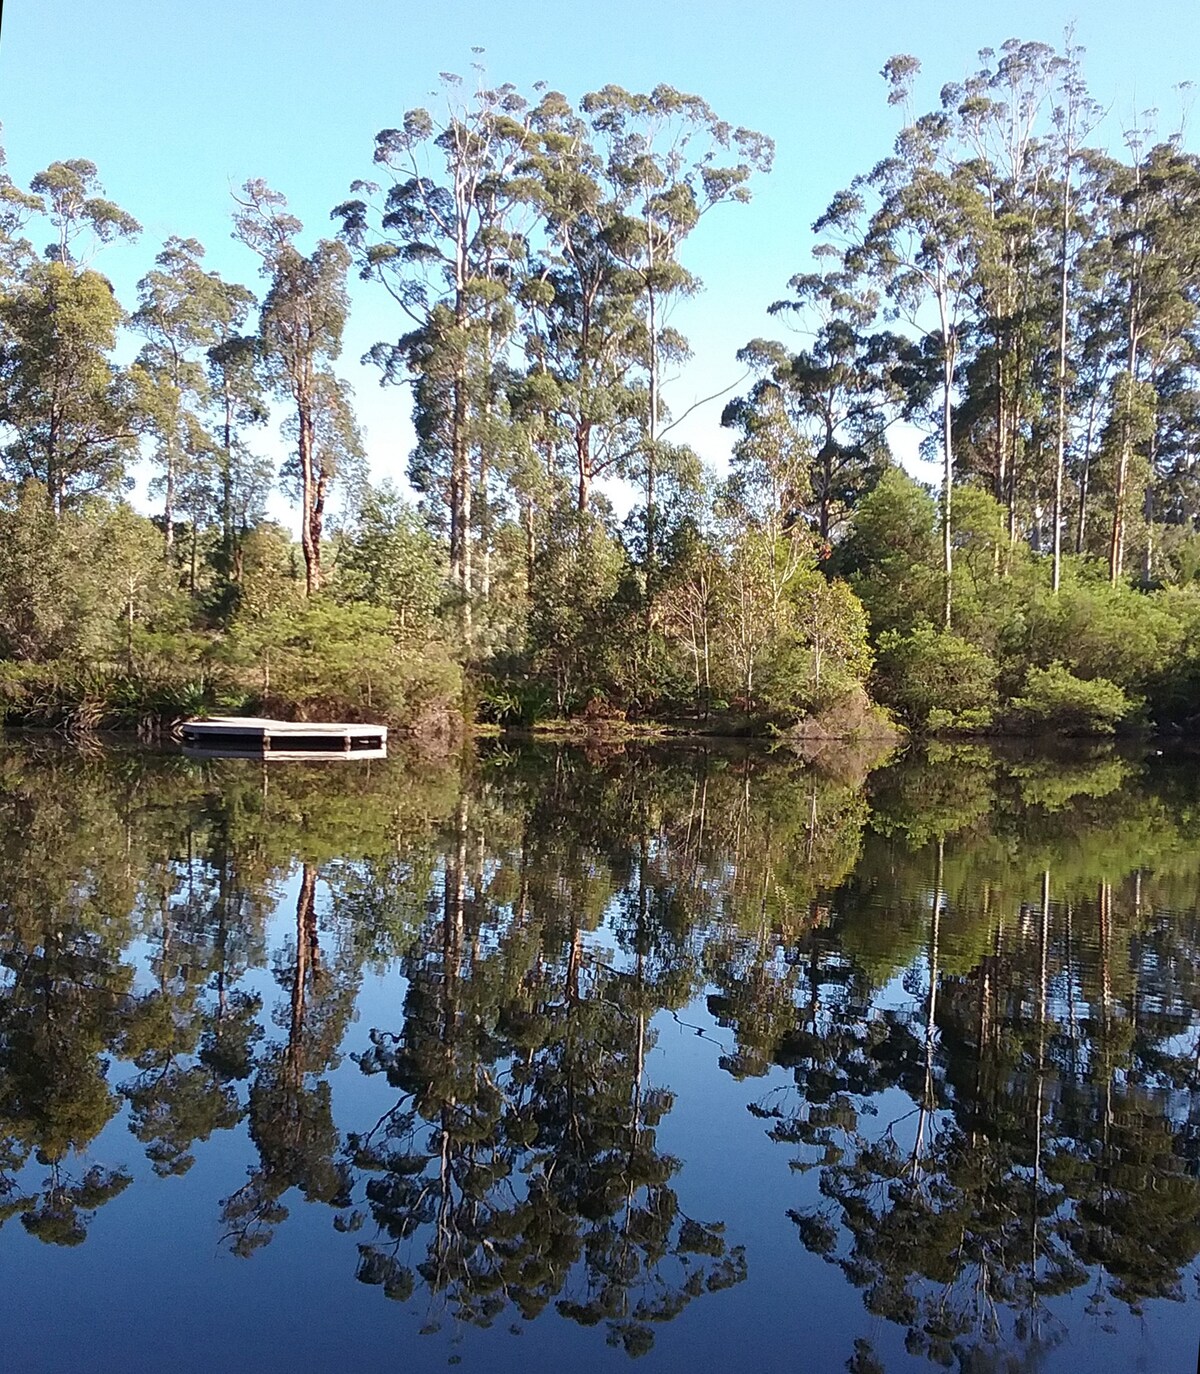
x,y
1026,300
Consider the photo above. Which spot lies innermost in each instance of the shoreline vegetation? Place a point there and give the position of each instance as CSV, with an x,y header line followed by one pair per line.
x,y
1024,298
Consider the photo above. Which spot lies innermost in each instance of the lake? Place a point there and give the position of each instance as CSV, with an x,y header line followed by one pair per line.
x,y
556,1058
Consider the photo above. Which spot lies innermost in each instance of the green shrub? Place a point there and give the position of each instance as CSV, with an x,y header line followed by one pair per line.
x,y
1056,700
82,698
513,705
890,554
322,660
1097,630
936,680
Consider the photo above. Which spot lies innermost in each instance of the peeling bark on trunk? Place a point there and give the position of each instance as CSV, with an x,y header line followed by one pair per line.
x,y
1084,477
1061,434
310,516
948,350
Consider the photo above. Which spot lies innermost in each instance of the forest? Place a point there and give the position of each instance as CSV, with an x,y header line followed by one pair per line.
x,y
1000,284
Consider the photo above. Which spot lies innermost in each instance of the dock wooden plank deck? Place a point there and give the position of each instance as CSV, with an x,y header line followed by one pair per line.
x,y
294,739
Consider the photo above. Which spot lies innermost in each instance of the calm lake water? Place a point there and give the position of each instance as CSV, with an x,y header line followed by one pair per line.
x,y
555,1059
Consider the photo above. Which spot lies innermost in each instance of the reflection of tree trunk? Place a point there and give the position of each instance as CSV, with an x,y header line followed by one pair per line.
x,y
454,904
574,960
523,890
640,965
695,833
1043,944
635,1102
453,908
222,940
307,964
1071,983
639,1075
1105,948
934,936
164,913
1106,994
983,1028
814,984
742,816
1135,1000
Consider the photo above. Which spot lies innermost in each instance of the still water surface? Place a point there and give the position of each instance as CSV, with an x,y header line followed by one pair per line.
x,y
553,1060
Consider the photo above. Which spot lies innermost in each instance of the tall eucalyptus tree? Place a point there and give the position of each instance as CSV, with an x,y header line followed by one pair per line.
x,y
1154,239
16,207
583,335
83,219
183,311
998,119
237,390
833,395
439,234
668,161
67,411
1075,114
909,226
300,334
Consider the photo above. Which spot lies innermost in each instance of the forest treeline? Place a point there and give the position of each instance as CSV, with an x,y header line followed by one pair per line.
x,y
1007,945
997,282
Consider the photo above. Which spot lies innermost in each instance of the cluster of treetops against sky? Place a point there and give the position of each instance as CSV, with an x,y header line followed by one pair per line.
x,y
1027,301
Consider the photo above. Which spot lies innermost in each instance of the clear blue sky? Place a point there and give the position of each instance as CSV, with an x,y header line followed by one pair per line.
x,y
177,102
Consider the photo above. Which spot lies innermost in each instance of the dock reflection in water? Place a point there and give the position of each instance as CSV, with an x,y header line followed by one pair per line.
x,y
714,1059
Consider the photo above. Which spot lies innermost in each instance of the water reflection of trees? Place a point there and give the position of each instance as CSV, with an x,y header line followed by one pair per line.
x,y
519,1165
1044,1038
970,987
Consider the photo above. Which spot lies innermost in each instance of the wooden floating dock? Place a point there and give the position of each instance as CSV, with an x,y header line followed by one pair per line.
x,y
238,736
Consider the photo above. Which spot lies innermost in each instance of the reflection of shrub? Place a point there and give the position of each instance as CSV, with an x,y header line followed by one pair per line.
x,y
1055,699
936,680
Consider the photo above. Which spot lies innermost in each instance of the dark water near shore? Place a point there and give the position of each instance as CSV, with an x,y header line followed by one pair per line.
x,y
550,1060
